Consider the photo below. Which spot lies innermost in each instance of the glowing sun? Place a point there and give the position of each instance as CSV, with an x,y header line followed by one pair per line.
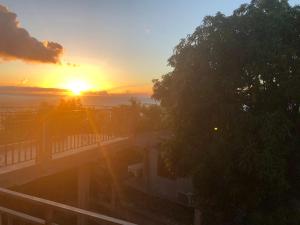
x,y
76,87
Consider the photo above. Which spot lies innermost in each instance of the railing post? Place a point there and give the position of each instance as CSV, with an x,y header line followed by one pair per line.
x,y
84,173
197,216
48,216
44,152
113,197
10,220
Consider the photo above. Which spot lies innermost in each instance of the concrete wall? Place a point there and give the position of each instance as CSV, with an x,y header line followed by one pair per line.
x,y
162,186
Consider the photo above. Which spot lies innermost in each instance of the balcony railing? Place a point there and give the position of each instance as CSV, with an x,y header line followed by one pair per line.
x,y
28,136
48,208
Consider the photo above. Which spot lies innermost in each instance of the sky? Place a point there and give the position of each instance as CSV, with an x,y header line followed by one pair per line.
x,y
113,45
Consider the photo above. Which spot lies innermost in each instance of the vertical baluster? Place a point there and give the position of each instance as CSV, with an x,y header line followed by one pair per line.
x,y
5,155
26,150
30,150
51,147
54,145
19,151
58,145
13,154
9,152
32,144
78,139
10,220
68,143
62,145
65,144
2,152
48,216
71,141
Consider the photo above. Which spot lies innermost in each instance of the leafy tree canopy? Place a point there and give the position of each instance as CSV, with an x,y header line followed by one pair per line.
x,y
233,101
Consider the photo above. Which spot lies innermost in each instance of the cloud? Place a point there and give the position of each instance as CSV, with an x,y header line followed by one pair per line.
x,y
16,42
147,30
72,64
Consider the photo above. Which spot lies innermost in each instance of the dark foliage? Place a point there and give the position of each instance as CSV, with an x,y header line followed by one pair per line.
x,y
233,101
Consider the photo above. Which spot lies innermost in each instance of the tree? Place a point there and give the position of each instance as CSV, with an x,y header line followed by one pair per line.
x,y
233,101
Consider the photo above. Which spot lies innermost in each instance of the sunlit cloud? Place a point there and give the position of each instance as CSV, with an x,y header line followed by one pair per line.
x,y
16,42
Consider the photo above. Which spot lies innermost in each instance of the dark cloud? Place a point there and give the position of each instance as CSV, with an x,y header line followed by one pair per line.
x,y
16,42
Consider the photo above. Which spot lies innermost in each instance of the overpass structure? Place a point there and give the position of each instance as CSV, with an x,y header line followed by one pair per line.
x,y
43,148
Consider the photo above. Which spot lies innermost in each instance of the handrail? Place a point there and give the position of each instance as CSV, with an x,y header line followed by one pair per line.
x,y
63,207
20,142
22,216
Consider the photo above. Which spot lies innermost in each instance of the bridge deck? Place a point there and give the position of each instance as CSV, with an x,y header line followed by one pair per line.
x,y
20,155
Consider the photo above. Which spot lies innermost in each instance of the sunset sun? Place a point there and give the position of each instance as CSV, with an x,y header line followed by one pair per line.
x,y
76,87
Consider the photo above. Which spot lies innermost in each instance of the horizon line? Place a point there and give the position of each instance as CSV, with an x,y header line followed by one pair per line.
x,y
35,90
